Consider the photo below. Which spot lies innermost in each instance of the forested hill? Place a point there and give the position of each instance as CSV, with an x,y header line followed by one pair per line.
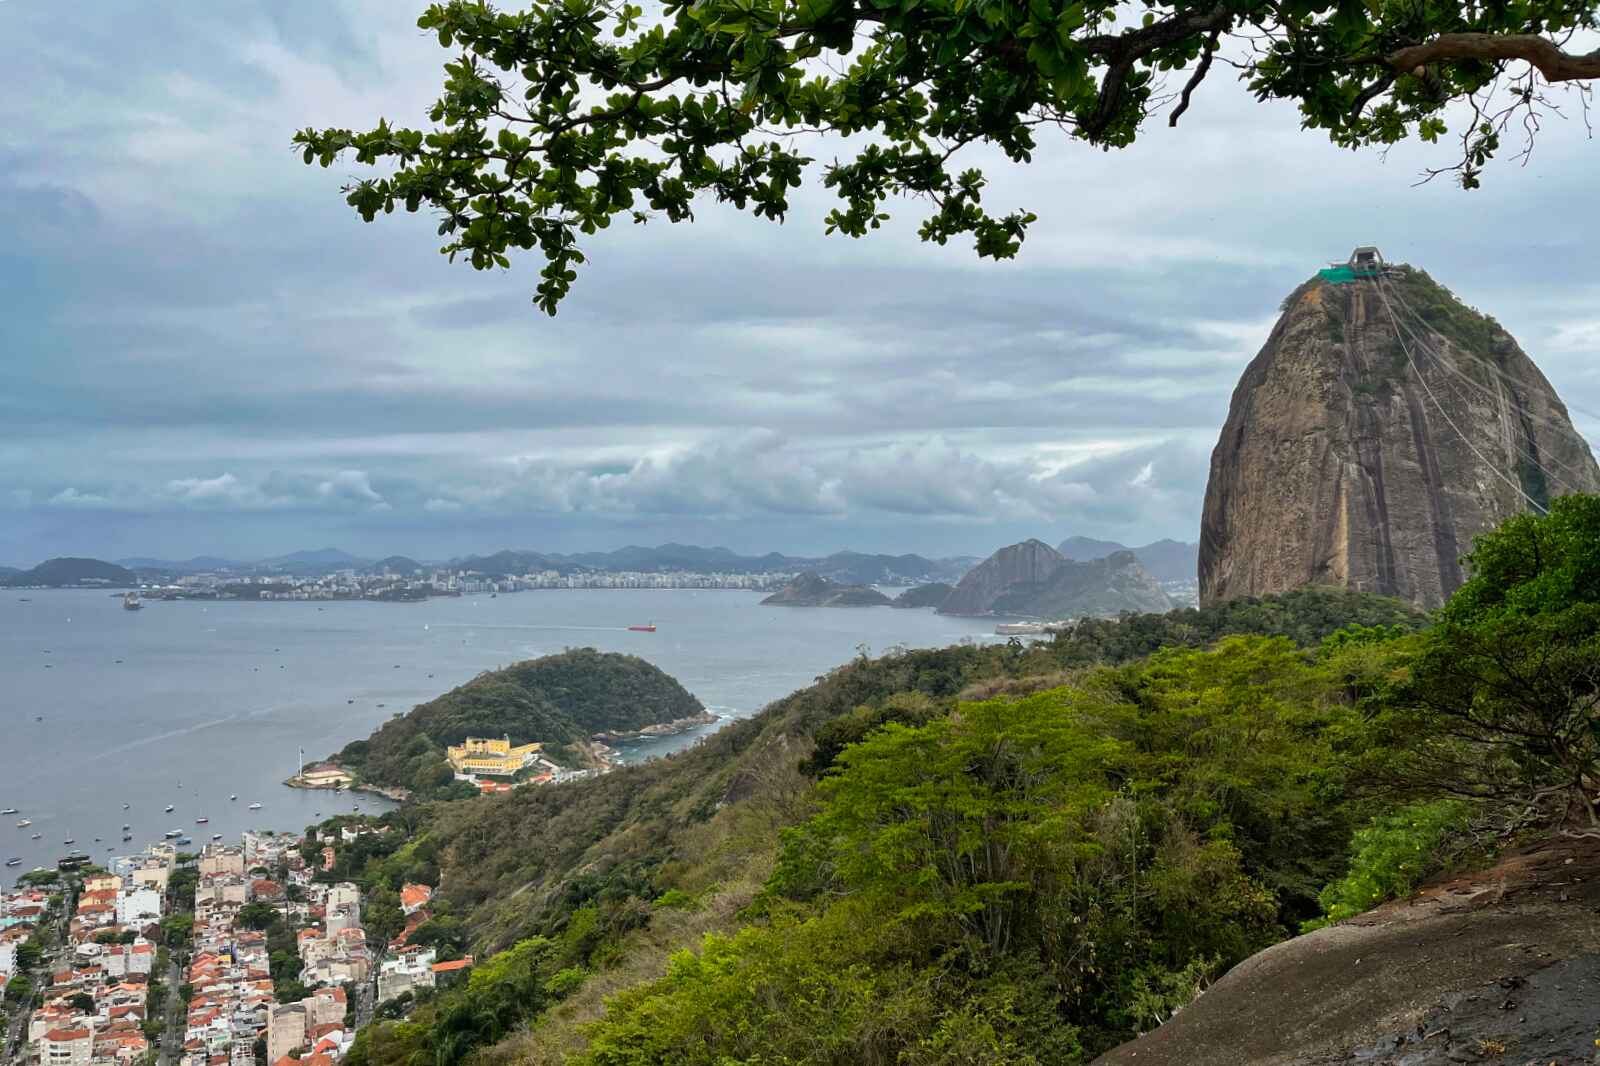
x,y
609,876
68,571
559,700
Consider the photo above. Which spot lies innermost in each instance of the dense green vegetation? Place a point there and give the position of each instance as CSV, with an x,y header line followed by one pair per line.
x,y
1305,616
559,700
1020,853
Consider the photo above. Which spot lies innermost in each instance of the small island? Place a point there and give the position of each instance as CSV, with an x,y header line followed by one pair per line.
x,y
535,721
811,589
929,595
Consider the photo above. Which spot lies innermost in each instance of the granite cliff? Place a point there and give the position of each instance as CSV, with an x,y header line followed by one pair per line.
x,y
1032,579
1382,427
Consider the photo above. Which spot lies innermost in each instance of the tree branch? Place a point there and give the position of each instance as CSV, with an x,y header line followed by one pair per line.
x,y
1196,78
1542,53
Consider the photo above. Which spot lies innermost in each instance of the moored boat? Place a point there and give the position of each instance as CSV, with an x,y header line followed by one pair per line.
x,y
14,862
648,627
9,810
255,806
24,823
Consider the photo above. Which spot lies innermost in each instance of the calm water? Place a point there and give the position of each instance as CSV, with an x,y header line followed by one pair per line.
x,y
187,703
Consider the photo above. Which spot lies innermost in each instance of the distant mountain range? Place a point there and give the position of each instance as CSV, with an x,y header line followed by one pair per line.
x,y
1166,560
844,567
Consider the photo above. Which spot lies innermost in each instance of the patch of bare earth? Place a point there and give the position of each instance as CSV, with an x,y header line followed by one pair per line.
x,y
1500,966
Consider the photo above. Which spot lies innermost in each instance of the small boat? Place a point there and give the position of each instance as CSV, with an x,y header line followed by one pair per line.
x,y
171,833
184,840
216,836
255,806
10,810
126,827
36,836
126,837
170,808
232,798
14,862
349,701
649,627
131,602
124,806
70,840
201,820
24,823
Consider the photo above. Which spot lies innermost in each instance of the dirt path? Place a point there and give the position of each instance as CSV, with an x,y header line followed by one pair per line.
x,y
1501,967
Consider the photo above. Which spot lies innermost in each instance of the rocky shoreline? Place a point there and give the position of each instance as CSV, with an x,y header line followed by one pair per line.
x,y
396,794
660,729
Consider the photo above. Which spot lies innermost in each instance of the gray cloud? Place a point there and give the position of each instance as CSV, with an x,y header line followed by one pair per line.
x,y
202,350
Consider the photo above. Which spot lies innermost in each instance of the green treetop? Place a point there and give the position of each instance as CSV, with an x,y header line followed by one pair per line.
x,y
556,119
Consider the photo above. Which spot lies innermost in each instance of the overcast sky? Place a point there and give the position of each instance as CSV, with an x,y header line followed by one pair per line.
x,y
203,350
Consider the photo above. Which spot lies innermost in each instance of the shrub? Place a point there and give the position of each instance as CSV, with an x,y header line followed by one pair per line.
x,y
1390,856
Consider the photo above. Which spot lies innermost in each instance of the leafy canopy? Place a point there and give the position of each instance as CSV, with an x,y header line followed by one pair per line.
x,y
556,119
1504,697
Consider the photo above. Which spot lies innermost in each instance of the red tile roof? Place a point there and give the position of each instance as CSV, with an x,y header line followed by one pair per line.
x,y
450,967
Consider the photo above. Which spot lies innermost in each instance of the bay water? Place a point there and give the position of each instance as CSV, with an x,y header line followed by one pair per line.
x,y
190,703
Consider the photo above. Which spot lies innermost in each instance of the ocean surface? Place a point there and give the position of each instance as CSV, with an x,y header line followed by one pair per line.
x,y
190,703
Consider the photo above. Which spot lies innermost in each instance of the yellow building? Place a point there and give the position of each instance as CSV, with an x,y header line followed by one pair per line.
x,y
480,755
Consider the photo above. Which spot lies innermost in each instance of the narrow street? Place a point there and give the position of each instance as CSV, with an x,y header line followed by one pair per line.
x,y
173,1015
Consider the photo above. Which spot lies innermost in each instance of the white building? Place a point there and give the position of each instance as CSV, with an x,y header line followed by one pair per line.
x,y
406,972
139,907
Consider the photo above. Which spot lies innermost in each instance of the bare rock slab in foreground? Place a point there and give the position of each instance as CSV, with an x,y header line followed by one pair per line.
x,y
1501,967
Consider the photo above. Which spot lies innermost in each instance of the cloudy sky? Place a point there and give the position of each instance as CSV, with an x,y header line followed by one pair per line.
x,y
203,350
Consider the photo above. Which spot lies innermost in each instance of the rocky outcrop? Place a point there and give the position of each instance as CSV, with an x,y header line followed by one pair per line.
x,y
1033,580
1380,429
1502,966
813,590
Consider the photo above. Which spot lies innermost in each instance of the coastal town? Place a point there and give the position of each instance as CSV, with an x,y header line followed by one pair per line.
x,y
414,586
251,953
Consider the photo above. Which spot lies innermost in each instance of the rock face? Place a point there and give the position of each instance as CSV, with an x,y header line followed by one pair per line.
x,y
1507,959
1346,461
812,590
1032,579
